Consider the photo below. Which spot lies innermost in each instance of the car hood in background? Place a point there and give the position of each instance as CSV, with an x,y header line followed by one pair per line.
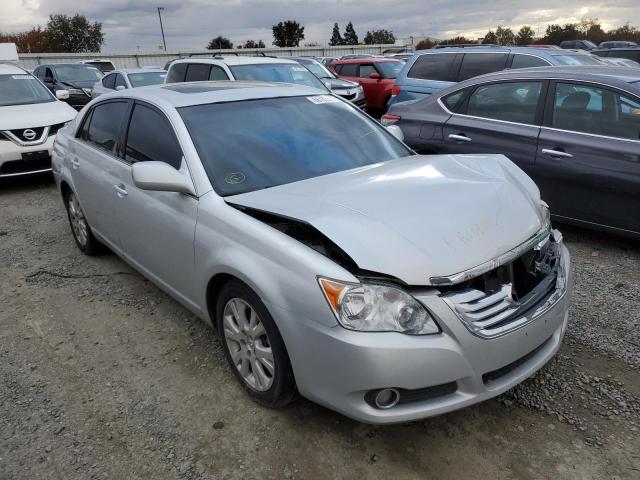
x,y
339,84
415,217
35,115
82,84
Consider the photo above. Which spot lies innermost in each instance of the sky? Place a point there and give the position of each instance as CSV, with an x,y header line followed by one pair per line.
x,y
131,25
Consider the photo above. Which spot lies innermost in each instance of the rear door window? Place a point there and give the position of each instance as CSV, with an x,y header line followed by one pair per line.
x,y
217,73
474,64
433,66
151,138
104,126
509,101
177,72
349,70
109,81
197,72
526,61
366,70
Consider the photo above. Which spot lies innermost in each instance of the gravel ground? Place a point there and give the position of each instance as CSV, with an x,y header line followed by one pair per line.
x,y
102,376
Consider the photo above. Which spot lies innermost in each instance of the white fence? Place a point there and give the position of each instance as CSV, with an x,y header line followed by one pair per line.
x,y
140,59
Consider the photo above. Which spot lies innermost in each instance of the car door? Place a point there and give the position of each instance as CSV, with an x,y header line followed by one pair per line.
x,y
371,86
156,229
500,117
94,162
588,157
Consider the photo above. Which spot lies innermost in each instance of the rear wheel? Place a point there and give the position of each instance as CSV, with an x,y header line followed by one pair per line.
x,y
82,234
253,346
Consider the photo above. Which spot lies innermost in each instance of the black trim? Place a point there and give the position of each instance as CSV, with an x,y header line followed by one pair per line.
x,y
415,395
494,375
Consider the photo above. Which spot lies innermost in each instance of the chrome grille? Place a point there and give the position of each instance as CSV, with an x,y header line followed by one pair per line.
x,y
492,313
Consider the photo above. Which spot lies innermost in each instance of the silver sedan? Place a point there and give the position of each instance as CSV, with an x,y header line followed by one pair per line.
x,y
127,78
331,260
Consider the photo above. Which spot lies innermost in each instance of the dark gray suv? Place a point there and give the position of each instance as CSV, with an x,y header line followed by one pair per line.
x,y
574,130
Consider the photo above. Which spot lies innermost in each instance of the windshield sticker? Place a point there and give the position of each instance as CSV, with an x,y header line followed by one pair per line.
x,y
235,178
320,99
21,77
298,69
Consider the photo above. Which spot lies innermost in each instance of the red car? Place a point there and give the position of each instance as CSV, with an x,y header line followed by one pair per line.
x,y
376,75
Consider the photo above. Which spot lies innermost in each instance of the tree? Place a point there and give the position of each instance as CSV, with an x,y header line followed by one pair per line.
x,y
490,38
76,34
505,36
350,37
555,34
253,44
626,32
336,38
377,37
288,34
425,44
219,43
460,40
525,36
30,41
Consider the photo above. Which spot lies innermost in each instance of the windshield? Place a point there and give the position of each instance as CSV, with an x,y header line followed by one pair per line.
x,y
146,78
277,72
22,90
77,73
390,69
577,60
255,144
316,68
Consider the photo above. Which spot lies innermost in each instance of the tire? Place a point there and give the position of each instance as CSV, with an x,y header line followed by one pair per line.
x,y
246,346
82,234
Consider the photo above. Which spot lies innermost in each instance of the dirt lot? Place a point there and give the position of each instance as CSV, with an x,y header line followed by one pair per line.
x,y
103,376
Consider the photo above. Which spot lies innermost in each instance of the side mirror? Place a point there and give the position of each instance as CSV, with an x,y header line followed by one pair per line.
x,y
62,94
160,177
396,131
375,76
120,88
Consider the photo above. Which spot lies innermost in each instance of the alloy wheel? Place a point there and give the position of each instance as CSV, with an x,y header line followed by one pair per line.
x,y
78,220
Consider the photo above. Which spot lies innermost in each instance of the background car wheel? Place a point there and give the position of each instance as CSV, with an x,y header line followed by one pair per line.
x,y
253,346
80,228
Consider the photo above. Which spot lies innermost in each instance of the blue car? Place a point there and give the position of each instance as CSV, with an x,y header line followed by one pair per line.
x,y
431,70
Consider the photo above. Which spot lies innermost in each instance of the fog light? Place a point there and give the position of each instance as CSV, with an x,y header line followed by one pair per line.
x,y
387,398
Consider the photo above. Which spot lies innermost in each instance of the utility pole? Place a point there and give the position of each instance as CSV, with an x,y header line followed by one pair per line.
x,y
164,43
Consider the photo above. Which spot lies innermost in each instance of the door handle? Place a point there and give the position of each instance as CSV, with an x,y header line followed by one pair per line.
x,y
556,153
459,138
121,190
75,163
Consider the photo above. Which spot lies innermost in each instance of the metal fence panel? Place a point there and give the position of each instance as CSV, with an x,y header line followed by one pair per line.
x,y
160,58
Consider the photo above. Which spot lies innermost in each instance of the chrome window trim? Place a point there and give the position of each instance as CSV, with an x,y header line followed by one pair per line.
x,y
528,55
507,257
591,134
38,141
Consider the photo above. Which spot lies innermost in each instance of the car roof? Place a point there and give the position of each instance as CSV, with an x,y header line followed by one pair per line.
x,y
185,94
10,69
607,73
613,49
137,70
501,49
233,60
367,60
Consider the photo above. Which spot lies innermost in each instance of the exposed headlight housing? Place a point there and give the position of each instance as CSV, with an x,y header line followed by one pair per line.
x,y
373,307
87,91
74,91
545,215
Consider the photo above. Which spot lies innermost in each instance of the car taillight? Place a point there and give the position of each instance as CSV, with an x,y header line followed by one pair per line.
x,y
395,90
389,119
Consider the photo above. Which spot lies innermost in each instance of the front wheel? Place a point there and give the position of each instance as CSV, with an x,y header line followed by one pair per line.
x,y
82,234
253,346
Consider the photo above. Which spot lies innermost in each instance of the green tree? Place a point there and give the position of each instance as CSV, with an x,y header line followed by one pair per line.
x,y
73,34
336,38
288,34
490,38
378,37
505,36
350,37
253,44
219,43
525,35
626,32
555,34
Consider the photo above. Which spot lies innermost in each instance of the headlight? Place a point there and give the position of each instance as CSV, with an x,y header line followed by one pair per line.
x,y
74,91
545,215
377,308
87,91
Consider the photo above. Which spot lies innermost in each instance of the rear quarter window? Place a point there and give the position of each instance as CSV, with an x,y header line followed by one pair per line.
x,y
177,73
433,66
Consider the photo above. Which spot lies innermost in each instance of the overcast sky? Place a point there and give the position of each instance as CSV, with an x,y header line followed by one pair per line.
x,y
189,24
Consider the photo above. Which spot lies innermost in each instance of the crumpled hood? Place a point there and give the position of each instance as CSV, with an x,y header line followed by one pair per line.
x,y
35,115
79,84
416,217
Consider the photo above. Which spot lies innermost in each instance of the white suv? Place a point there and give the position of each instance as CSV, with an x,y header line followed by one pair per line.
x,y
30,117
262,69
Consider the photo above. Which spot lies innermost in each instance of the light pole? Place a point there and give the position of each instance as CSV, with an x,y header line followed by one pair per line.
x,y
164,43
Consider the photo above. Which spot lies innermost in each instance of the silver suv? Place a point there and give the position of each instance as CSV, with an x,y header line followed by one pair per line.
x,y
332,260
